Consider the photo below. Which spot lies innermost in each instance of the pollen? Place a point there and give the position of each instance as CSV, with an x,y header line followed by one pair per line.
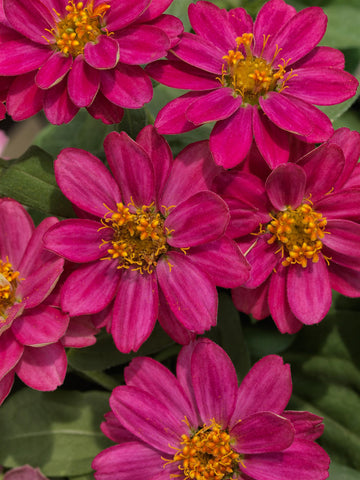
x,y
299,233
207,454
252,77
9,279
139,236
82,24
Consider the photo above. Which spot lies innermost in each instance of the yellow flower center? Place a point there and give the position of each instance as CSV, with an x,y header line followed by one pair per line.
x,y
8,284
207,454
249,76
81,25
299,232
139,238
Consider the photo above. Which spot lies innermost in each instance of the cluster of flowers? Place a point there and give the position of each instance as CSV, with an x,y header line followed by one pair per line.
x,y
269,207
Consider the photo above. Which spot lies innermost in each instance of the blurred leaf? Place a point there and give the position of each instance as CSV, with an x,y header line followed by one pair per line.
x,y
228,333
349,119
340,32
105,355
133,121
56,431
31,181
325,362
334,112
179,9
82,132
340,472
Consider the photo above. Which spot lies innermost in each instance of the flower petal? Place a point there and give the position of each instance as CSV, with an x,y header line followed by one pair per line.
x,y
285,186
214,382
307,425
11,351
53,70
6,384
344,204
135,310
252,301
262,259
83,83
123,12
102,109
200,219
344,280
309,291
195,313
172,119
43,368
58,107
344,236
103,54
267,387
24,87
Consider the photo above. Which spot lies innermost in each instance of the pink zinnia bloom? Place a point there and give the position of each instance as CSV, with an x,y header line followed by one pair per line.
x,y
65,55
202,425
30,331
25,472
254,80
301,231
155,236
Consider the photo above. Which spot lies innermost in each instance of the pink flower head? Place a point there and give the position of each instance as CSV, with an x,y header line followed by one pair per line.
x,y
30,331
26,472
155,237
201,425
301,231
65,55
256,80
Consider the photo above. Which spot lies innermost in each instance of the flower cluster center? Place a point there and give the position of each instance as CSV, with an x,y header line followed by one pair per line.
x,y
8,283
250,76
207,454
299,232
139,236
81,25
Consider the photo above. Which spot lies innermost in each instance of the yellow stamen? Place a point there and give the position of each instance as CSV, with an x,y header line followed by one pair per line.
x,y
9,280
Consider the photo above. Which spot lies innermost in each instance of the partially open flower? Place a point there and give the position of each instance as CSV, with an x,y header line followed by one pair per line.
x,y
201,425
255,80
65,55
30,331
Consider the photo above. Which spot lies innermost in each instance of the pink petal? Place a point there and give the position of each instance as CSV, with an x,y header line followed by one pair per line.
x,y
96,188
279,306
307,425
135,310
344,236
252,301
114,430
344,280
141,44
261,433
145,416
90,288
177,74
230,139
170,25
123,12
58,107
183,373
103,54
151,376
192,171
216,105
136,177
223,261
214,381
199,219
16,227
285,186
43,368
272,142
6,384
344,204
240,21
133,460
267,387
262,259
127,86
155,9
40,326
102,109
24,98
322,57
53,70
299,35
172,119
198,52
171,324
83,83
80,332
211,23
309,291
349,142
10,350
79,241
178,277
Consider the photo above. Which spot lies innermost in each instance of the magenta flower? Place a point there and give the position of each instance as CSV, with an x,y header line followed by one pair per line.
x,y
201,425
30,331
156,235
65,55
301,231
256,80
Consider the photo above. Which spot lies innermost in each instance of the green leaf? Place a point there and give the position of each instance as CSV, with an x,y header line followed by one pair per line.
x,y
133,121
340,32
59,432
325,363
340,472
31,181
179,9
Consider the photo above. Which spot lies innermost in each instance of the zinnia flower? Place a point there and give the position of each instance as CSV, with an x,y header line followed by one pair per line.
x,y
201,425
301,231
256,80
155,240
30,331
65,55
